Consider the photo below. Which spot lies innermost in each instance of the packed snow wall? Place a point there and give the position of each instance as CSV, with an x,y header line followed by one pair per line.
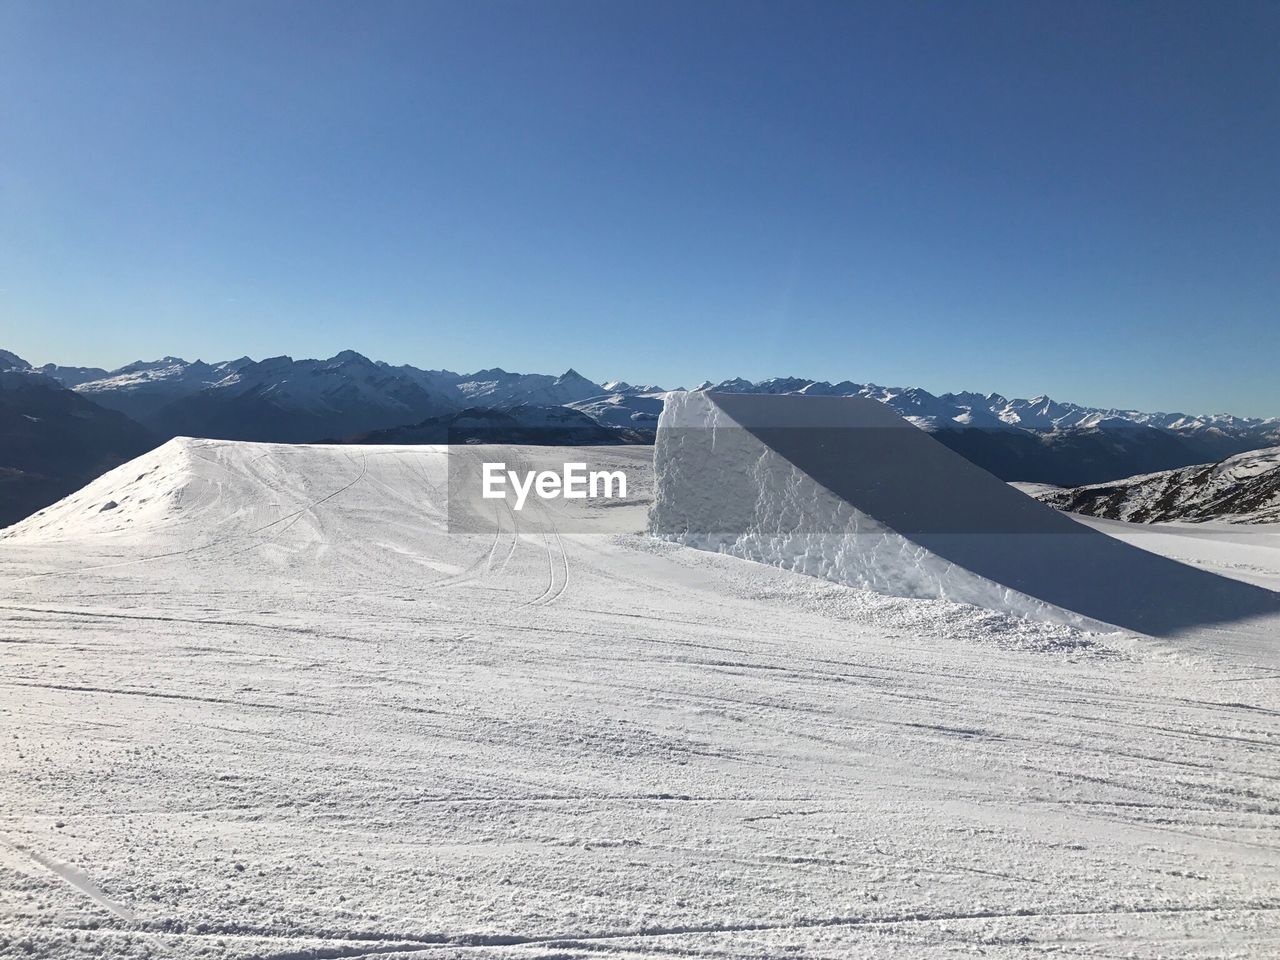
x,y
845,489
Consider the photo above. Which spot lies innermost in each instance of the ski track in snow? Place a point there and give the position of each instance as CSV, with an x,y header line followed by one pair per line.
x,y
268,706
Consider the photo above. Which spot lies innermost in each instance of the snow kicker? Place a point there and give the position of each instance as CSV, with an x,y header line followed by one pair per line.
x,y
845,489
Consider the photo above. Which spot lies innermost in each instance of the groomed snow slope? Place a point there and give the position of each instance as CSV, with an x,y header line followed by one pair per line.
x,y
845,489
267,706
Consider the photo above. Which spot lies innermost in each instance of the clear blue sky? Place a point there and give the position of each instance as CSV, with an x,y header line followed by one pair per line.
x,y
1078,198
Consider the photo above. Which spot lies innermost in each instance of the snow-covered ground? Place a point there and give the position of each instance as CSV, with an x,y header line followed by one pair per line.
x,y
257,701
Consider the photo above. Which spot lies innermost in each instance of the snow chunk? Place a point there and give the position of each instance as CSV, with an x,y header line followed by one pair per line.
x,y
719,488
844,489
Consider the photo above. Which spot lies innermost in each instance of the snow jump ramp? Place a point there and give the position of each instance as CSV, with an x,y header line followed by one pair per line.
x,y
845,489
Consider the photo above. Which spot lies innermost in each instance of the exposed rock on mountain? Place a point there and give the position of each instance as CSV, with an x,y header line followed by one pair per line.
x,y
1244,488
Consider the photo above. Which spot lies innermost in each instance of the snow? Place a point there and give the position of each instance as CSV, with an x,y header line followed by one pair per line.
x,y
625,409
719,487
621,386
844,489
173,375
268,706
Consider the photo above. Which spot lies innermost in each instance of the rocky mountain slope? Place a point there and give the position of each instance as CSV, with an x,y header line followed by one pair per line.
x,y
1244,488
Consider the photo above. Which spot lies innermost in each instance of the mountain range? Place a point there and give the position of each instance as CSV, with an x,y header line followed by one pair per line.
x,y
285,400
281,399
348,396
1040,439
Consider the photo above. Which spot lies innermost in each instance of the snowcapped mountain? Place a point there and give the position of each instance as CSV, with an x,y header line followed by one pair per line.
x,y
1040,440
286,400
141,388
71,376
628,389
11,361
443,384
630,410
1040,413
498,388
1244,488
66,376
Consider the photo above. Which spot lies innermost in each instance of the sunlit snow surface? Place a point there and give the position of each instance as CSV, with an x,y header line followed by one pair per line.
x,y
266,705
845,489
721,488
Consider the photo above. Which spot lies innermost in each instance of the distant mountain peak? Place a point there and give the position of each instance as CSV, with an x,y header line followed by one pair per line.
x,y
572,378
624,388
11,361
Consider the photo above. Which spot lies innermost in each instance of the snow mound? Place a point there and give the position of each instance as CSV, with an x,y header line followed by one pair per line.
x,y
187,490
844,489
145,491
